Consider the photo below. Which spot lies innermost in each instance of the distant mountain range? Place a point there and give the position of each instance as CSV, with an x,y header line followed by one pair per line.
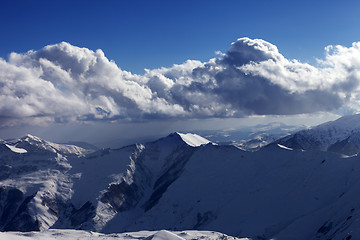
x,y
302,186
251,138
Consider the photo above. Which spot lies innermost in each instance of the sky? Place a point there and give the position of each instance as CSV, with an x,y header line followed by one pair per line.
x,y
103,70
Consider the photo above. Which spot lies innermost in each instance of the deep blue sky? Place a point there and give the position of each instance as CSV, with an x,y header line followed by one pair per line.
x,y
151,34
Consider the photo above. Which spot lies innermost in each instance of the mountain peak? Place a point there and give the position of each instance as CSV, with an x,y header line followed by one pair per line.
x,y
32,143
192,139
31,138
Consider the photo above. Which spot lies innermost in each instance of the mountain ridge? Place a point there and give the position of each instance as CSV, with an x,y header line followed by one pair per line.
x,y
341,136
176,184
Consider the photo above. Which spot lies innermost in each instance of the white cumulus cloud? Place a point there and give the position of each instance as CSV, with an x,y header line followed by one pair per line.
x,y
61,83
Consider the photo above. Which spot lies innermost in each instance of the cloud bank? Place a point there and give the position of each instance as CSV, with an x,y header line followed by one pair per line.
x,y
62,83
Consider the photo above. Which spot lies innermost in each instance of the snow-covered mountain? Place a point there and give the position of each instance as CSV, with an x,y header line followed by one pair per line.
x,y
46,185
341,136
180,182
34,180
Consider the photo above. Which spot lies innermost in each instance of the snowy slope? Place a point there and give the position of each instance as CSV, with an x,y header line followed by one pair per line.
x,y
61,187
193,140
341,135
178,183
148,235
248,194
33,179
43,188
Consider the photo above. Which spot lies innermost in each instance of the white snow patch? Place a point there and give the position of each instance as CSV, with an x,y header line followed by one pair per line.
x,y
284,147
193,140
15,149
62,234
165,235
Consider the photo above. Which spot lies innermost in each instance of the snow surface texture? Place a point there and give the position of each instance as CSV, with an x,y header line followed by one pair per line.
x,y
193,139
341,136
273,193
147,235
